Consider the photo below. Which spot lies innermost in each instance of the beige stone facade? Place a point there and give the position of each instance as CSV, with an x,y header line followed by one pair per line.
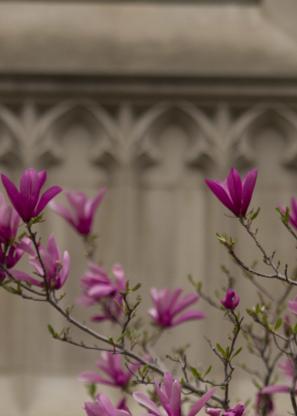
x,y
147,98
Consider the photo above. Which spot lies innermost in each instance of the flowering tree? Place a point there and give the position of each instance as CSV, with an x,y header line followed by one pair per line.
x,y
266,328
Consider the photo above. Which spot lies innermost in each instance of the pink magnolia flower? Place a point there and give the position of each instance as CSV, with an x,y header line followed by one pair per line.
x,y
288,368
103,407
115,373
237,410
235,193
82,210
169,307
99,288
96,283
27,201
231,299
57,268
169,394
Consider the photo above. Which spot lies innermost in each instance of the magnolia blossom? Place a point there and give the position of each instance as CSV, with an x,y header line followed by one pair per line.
x,y
27,201
288,368
169,394
169,307
103,407
82,210
56,268
237,410
115,373
231,299
99,288
235,193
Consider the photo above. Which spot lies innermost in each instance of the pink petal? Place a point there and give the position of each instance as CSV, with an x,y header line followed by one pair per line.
x,y
248,183
52,248
188,316
292,305
22,276
186,301
276,388
13,194
62,211
46,197
201,402
219,191
94,378
235,189
175,398
31,183
77,201
100,291
147,403
93,204
64,273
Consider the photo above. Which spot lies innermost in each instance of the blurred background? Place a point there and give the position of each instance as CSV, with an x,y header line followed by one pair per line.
x,y
147,97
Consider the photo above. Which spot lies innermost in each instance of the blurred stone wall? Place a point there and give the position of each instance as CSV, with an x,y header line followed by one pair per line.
x,y
147,98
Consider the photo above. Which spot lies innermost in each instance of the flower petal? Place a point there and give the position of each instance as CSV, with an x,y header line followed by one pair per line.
x,y
188,316
276,388
201,402
248,185
219,191
13,194
142,399
46,197
235,189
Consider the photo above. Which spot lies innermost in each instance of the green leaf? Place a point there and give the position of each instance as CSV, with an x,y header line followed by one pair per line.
x,y
136,287
207,371
278,324
221,350
52,331
255,214
195,373
92,390
237,352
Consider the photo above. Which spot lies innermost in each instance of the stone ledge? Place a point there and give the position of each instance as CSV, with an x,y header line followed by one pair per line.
x,y
138,39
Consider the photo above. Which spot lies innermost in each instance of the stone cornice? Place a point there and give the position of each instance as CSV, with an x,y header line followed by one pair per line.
x,y
16,87
143,38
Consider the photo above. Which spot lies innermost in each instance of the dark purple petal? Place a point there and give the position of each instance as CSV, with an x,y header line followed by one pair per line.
x,y
46,197
13,195
248,185
231,299
235,190
219,191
